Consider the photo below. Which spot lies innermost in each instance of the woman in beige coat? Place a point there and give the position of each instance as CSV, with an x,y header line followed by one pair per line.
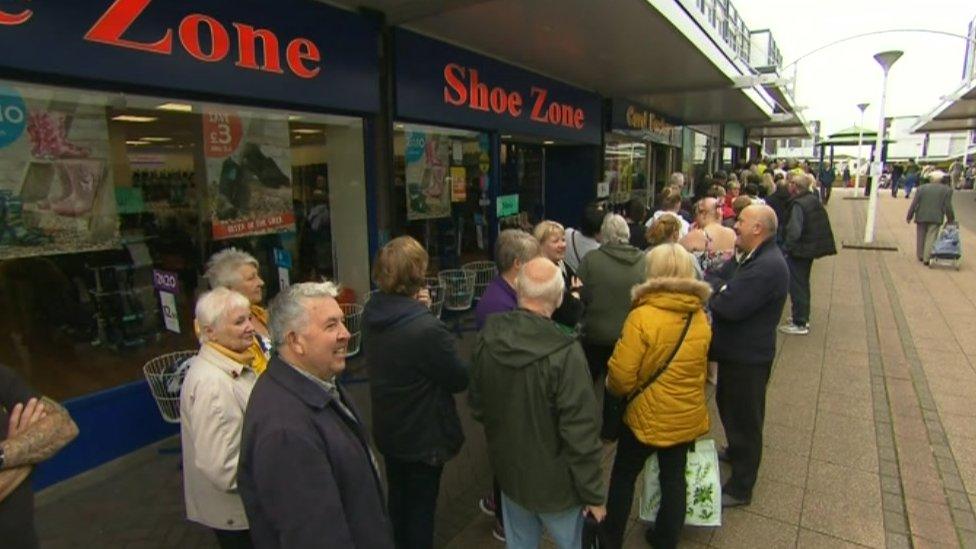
x,y
212,403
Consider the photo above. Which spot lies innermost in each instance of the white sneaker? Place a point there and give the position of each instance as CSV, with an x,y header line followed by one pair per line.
x,y
793,329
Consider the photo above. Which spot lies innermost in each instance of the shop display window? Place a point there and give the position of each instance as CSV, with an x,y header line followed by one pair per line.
x,y
99,191
625,169
441,190
523,175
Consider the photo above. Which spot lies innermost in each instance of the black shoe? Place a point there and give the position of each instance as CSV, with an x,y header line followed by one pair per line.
x,y
732,501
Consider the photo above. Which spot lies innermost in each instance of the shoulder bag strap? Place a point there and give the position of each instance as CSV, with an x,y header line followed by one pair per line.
x,y
575,250
667,362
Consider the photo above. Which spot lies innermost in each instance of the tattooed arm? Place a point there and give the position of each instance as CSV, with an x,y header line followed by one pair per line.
x,y
40,439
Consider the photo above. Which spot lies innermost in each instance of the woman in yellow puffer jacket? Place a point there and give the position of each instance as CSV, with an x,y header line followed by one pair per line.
x,y
667,416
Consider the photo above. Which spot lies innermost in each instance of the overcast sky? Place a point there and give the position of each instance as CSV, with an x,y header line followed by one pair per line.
x,y
832,82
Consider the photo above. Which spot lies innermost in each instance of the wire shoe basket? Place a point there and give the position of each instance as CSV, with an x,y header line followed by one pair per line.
x,y
437,291
458,288
354,323
484,273
165,375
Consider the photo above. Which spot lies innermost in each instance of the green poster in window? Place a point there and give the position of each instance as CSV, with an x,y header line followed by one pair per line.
x,y
507,205
128,200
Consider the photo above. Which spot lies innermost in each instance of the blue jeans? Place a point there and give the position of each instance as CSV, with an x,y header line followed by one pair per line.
x,y
523,528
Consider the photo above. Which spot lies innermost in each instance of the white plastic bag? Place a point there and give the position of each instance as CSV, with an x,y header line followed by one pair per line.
x,y
704,500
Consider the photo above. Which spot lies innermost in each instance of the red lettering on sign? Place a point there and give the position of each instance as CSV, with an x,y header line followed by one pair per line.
x,y
480,96
301,50
453,75
247,37
117,19
538,108
13,19
190,37
303,56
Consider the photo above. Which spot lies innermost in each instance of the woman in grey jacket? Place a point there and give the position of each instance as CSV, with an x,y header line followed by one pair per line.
x,y
608,274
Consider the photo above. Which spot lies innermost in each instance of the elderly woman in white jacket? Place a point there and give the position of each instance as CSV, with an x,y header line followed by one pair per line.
x,y
212,403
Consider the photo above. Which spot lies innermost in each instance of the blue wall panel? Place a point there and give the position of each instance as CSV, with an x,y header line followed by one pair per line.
x,y
112,423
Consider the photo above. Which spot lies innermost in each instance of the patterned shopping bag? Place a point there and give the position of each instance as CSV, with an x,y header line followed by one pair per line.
x,y
704,487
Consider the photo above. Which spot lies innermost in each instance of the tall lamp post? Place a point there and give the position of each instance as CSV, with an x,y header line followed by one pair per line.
x,y
860,139
886,59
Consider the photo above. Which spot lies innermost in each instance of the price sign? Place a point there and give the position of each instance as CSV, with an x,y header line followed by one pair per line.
x,y
222,133
13,116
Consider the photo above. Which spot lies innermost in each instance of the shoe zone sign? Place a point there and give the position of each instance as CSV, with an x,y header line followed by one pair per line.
x,y
293,51
437,82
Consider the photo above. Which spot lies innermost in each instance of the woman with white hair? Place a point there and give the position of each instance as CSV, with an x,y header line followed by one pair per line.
x,y
608,273
212,403
238,270
552,243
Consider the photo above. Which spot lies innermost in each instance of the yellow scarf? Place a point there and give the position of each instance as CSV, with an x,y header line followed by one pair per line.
x,y
260,314
260,364
246,358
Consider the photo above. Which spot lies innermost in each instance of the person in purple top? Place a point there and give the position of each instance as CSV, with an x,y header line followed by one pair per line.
x,y
513,249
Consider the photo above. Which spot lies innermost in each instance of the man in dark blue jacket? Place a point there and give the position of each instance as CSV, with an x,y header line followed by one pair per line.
x,y
746,306
306,473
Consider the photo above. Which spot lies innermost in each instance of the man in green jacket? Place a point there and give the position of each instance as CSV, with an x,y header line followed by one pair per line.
x,y
531,389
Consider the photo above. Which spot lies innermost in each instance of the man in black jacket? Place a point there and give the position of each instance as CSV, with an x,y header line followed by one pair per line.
x,y
306,474
807,236
746,306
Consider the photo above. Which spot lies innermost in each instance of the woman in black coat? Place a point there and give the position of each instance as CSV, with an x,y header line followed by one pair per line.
x,y
414,370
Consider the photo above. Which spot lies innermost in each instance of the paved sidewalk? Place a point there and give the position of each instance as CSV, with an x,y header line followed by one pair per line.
x,y
870,429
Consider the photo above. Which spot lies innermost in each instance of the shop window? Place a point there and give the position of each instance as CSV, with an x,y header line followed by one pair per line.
x,y
98,191
441,193
625,169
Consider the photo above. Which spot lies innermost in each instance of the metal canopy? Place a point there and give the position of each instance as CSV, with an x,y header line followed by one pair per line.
x,y
957,112
651,51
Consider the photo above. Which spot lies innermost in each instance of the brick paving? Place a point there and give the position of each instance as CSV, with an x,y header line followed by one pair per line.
x,y
870,430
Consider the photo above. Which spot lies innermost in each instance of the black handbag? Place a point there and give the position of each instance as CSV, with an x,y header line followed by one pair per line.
x,y
614,406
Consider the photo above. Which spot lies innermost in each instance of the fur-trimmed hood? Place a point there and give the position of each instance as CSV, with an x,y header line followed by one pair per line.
x,y
687,286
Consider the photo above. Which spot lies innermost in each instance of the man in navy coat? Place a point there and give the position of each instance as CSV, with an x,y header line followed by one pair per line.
x,y
746,307
307,475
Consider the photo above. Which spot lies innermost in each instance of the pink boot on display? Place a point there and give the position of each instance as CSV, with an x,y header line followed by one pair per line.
x,y
83,178
48,136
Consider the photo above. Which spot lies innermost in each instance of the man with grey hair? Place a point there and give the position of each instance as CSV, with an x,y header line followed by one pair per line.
x,y
307,475
530,389
931,206
513,249
746,305
808,236
608,274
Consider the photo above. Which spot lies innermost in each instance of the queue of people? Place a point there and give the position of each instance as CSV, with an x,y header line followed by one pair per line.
x,y
277,455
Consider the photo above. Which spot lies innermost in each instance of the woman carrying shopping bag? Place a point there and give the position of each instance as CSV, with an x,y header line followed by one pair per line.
x,y
659,365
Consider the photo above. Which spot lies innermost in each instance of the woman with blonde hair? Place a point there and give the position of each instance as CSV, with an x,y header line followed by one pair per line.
x,y
237,270
665,230
659,366
552,243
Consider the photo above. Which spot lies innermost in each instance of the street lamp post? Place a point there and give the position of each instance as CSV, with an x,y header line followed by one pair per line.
x,y
886,59
860,139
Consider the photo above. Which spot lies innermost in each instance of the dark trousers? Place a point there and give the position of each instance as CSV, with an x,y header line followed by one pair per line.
x,y
825,190
597,356
233,539
412,500
800,289
627,465
741,399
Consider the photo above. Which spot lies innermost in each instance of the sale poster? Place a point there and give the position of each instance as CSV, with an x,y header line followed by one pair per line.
x,y
427,159
248,169
56,191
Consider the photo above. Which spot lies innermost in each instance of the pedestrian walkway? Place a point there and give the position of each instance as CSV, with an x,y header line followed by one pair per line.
x,y
870,427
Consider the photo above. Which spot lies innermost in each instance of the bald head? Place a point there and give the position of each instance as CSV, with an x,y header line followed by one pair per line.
x,y
755,225
539,286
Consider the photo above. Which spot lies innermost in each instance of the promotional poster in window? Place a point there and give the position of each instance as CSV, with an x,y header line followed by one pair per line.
x,y
56,188
248,170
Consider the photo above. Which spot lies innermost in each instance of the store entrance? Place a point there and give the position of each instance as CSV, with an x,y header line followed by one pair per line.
x,y
522,184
